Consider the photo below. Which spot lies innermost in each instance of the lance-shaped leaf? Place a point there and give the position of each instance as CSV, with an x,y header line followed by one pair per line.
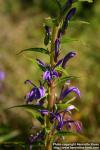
x,y
39,50
68,133
68,40
66,107
65,78
32,109
89,1
9,136
60,69
59,4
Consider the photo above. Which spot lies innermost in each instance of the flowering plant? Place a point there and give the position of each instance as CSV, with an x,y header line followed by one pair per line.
x,y
54,110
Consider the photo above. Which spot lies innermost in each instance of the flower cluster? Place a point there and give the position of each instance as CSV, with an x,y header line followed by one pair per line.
x,y
59,115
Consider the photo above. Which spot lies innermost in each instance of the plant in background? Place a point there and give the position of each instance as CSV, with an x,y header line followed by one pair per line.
x,y
52,109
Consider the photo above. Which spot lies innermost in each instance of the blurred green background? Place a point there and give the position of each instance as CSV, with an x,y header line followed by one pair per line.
x,y
21,26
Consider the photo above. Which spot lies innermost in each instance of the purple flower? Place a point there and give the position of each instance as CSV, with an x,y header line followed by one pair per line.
x,y
67,18
44,112
47,30
56,52
41,64
69,90
67,58
78,126
70,14
58,63
34,138
35,93
2,75
47,35
67,5
59,33
49,75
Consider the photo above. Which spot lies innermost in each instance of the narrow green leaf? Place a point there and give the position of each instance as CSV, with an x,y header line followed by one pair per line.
x,y
62,106
59,4
8,136
35,114
33,110
65,133
78,22
60,69
40,50
65,78
68,133
69,101
68,40
49,21
89,1
28,106
65,106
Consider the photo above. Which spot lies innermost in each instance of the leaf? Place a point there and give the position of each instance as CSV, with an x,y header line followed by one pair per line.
x,y
66,78
9,136
68,133
78,22
49,21
62,70
67,40
28,106
69,101
89,1
40,50
59,4
33,110
65,106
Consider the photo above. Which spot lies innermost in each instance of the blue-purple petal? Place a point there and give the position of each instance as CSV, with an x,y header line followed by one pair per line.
x,y
78,125
2,75
47,76
44,112
67,57
58,63
56,50
70,14
55,74
35,93
42,91
69,90
41,63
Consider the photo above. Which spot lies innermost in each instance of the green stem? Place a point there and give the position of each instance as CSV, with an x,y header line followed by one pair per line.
x,y
51,98
52,86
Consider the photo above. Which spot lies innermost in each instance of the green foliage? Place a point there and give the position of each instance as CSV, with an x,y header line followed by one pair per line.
x,y
33,110
63,133
8,136
39,50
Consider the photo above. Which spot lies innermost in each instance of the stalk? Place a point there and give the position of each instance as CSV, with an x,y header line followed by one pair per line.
x,y
52,88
